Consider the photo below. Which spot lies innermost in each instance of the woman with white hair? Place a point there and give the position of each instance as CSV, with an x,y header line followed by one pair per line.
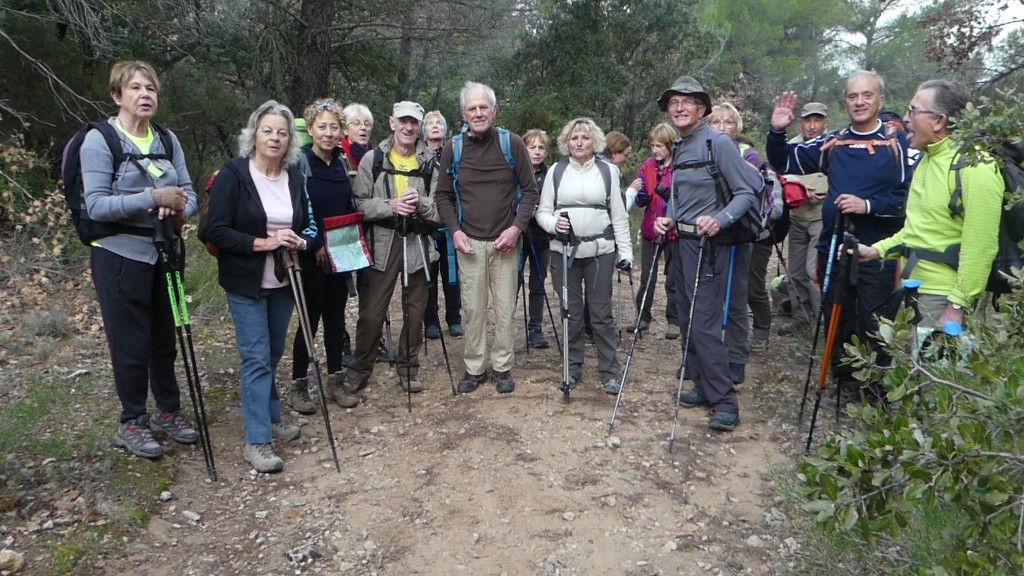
x,y
356,141
586,189
258,208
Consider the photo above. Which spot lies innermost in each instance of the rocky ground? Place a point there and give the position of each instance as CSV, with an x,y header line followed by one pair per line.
x,y
475,484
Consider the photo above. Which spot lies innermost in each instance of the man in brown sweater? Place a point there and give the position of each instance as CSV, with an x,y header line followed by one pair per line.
x,y
480,205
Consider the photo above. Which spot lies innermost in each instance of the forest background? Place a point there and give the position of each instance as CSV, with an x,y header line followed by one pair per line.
x,y
548,60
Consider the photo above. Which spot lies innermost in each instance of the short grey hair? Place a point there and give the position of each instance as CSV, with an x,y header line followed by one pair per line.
x,y
473,87
585,125
728,107
356,111
247,139
870,74
949,98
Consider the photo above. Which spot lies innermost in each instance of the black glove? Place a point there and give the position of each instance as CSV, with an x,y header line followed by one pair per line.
x,y
642,199
664,191
624,266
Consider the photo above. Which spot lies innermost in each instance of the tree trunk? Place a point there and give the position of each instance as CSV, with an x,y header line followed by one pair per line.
x,y
313,73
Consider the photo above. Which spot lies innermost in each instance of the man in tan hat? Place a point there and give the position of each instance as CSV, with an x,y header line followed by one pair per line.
x,y
805,227
698,215
396,201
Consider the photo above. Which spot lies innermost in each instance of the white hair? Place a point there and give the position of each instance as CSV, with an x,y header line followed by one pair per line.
x,y
247,139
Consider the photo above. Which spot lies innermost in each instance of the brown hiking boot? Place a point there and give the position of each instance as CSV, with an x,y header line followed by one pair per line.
x,y
298,397
336,390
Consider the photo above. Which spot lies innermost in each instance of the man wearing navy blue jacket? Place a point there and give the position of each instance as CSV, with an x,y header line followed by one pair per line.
x,y
868,175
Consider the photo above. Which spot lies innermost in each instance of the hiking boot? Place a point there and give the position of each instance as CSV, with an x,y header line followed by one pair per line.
x,y
336,391
692,399
262,458
738,372
470,382
174,425
383,354
433,332
538,341
611,386
792,328
503,382
298,397
644,325
135,437
724,421
414,386
346,349
573,379
758,343
672,332
456,330
284,432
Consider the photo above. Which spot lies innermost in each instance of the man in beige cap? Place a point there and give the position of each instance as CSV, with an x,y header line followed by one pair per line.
x,y
805,228
394,189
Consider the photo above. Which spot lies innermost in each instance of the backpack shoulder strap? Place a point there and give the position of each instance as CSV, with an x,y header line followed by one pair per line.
x,y
606,175
453,171
506,148
956,205
113,140
556,177
165,139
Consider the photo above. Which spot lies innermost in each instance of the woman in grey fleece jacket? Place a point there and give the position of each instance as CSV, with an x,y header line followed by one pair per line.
x,y
130,283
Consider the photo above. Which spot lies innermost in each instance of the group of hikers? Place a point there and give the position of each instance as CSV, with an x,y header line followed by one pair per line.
x,y
483,210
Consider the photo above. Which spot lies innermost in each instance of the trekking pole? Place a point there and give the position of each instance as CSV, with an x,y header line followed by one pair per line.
x,y
444,347
849,254
164,234
522,290
837,227
910,287
291,262
404,227
544,292
636,332
567,239
686,342
728,291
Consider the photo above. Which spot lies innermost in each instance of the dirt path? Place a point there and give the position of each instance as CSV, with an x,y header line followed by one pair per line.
x,y
483,483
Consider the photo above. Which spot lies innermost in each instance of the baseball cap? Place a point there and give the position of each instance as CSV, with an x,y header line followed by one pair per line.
x,y
812,108
406,108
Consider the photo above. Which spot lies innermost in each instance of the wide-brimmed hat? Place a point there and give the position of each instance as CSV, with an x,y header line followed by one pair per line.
x,y
406,108
812,108
687,86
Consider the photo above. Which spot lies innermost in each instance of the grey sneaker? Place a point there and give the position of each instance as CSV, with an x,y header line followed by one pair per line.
x,y
262,458
414,384
298,397
175,426
503,382
672,332
282,431
136,438
758,343
611,386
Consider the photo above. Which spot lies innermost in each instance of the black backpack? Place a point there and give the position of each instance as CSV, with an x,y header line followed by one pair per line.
x,y
71,178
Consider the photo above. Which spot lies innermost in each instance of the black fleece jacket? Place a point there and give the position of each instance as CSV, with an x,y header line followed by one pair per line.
x,y
236,217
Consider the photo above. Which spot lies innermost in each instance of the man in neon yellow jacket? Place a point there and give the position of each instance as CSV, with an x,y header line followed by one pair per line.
x,y
932,231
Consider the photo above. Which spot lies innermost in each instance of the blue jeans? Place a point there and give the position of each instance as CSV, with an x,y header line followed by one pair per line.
x,y
261,325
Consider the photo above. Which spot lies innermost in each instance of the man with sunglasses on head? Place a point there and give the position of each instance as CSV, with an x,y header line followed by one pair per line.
x,y
868,175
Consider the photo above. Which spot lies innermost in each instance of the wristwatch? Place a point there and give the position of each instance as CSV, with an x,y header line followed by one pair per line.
x,y
304,244
956,306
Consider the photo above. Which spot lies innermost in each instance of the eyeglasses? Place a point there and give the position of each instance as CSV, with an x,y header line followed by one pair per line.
x,y
361,124
722,123
684,103
913,112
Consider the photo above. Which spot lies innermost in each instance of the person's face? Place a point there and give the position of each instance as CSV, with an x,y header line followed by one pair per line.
x,y
138,97
813,126
621,158
581,145
272,139
724,121
478,112
325,131
659,151
434,128
406,129
863,100
538,152
685,112
358,130
924,126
